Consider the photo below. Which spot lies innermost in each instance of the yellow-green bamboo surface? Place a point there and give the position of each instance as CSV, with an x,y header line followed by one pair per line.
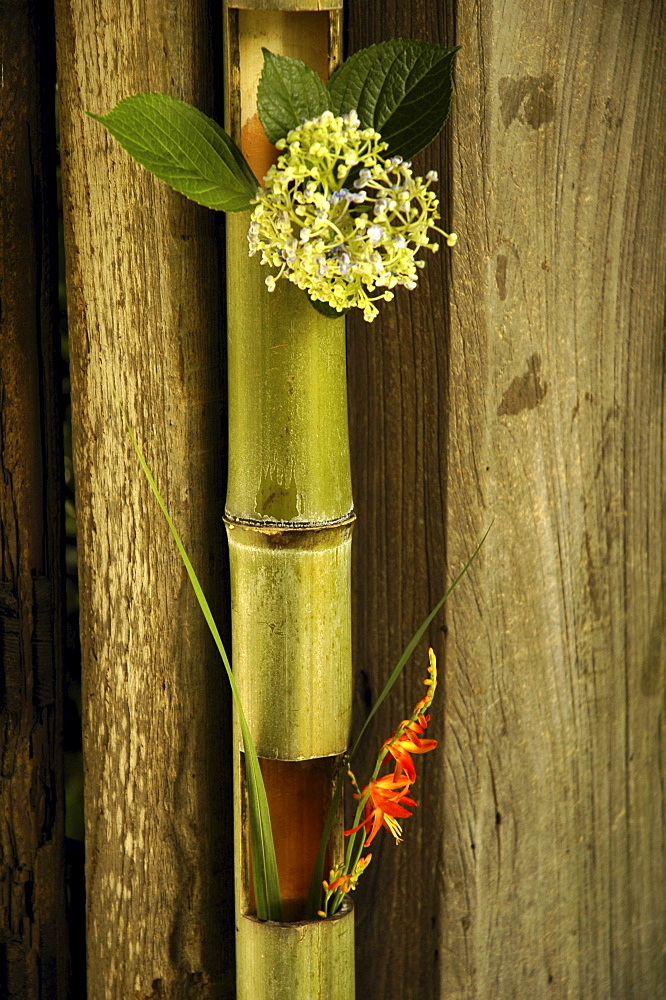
x,y
285,5
288,438
289,504
289,516
291,637
299,961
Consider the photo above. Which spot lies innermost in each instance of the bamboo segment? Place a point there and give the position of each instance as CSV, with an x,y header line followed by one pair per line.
x,y
291,624
301,35
287,6
299,795
299,961
288,438
306,30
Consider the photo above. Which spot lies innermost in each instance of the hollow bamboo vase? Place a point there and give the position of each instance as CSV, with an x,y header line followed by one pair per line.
x,y
289,517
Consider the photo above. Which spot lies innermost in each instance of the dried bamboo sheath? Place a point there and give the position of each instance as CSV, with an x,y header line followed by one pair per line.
x,y
289,520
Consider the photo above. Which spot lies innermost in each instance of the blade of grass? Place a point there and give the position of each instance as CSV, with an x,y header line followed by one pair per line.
x,y
264,862
413,643
314,895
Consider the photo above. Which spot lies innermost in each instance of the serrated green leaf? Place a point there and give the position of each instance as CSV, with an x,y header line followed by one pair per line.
x,y
326,310
289,91
264,863
402,88
184,148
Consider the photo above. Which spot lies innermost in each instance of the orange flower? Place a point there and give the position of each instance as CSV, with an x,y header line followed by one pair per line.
x,y
384,806
345,883
409,741
431,683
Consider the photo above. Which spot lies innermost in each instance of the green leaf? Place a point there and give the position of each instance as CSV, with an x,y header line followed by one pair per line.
x,y
326,310
184,148
314,895
289,91
264,862
401,88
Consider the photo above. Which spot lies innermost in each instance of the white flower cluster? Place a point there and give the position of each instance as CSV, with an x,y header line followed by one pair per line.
x,y
346,246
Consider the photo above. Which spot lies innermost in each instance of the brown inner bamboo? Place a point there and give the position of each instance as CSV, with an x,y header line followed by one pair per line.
x,y
299,794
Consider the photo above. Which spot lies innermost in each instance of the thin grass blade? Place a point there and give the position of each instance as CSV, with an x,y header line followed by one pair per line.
x,y
264,862
413,643
314,895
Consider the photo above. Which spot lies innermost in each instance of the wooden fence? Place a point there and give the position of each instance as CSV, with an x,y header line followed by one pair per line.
x,y
32,862
523,383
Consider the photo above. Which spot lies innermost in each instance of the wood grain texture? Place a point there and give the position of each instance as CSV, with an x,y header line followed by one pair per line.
x,y
397,369
147,331
555,761
33,939
536,867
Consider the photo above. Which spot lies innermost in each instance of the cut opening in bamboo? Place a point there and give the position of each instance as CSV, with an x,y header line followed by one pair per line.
x,y
302,35
299,794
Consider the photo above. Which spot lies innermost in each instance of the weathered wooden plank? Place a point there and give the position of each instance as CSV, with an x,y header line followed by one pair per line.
x,y
546,821
33,940
146,324
398,419
554,862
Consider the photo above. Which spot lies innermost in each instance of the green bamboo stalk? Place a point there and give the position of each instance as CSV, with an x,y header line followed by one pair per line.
x,y
285,5
309,960
288,438
289,516
292,637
